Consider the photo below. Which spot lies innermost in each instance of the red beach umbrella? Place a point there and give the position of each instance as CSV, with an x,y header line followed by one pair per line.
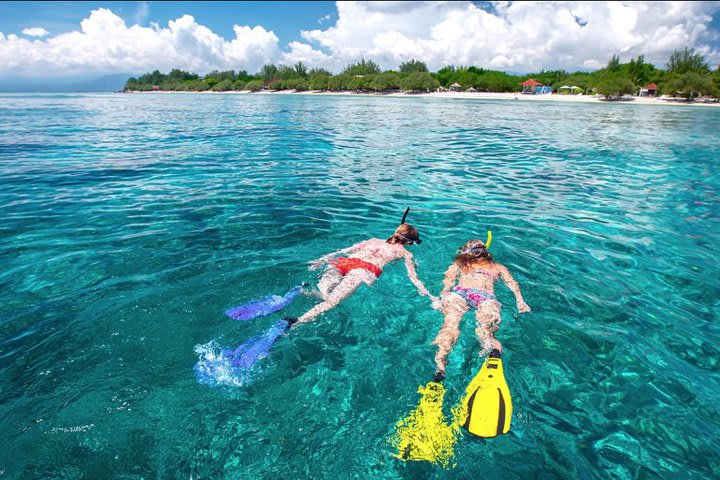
x,y
531,83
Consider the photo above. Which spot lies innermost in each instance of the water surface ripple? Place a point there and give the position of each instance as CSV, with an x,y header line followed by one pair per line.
x,y
131,222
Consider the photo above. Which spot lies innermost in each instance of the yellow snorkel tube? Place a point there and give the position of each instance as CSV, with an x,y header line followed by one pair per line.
x,y
489,240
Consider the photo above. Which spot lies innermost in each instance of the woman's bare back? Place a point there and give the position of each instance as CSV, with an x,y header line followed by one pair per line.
x,y
480,275
378,252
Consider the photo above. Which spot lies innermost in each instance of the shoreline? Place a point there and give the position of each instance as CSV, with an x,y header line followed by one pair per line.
x,y
554,97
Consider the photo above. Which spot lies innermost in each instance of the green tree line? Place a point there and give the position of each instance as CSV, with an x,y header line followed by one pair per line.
x,y
687,74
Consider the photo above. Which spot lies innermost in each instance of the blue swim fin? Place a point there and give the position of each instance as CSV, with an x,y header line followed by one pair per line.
x,y
247,354
265,305
233,366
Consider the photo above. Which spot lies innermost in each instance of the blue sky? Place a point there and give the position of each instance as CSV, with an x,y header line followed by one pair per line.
x,y
286,19
41,37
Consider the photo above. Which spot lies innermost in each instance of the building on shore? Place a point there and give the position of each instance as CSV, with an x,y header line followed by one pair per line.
x,y
649,90
529,86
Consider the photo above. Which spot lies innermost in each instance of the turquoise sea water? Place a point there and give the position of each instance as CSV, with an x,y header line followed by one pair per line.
x,y
131,222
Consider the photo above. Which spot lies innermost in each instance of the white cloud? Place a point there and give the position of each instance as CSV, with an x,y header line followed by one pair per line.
x,y
106,44
35,32
514,36
511,36
302,52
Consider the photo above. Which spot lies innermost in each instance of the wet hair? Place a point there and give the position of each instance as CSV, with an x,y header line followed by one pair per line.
x,y
405,234
471,251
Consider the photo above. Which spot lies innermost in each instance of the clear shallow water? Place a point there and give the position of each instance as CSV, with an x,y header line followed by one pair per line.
x,y
131,222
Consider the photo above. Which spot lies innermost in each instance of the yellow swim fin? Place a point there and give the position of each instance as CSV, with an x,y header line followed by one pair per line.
x,y
424,434
487,404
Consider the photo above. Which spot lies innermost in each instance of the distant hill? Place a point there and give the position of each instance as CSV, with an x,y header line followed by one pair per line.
x,y
106,83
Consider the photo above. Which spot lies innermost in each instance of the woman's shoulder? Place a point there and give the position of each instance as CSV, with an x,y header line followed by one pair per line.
x,y
454,267
499,266
369,241
375,241
498,269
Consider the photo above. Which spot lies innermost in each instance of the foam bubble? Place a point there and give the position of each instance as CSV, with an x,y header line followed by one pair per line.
x,y
215,369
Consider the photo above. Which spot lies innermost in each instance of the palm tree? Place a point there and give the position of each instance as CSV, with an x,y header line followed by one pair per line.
x,y
268,72
300,69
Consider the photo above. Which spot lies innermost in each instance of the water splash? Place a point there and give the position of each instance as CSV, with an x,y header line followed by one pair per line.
x,y
214,368
233,366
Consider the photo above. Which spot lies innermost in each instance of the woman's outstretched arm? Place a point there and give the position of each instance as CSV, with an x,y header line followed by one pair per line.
x,y
410,266
515,288
451,275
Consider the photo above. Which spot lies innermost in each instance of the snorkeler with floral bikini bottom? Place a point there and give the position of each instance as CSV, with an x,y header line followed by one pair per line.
x,y
468,285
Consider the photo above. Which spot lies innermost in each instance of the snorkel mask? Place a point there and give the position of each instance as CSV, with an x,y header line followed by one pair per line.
x,y
410,241
477,247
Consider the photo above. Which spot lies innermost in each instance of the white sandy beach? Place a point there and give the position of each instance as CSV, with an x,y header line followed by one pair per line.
x,y
478,96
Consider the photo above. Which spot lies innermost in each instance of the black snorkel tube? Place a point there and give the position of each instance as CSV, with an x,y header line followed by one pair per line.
x,y
407,210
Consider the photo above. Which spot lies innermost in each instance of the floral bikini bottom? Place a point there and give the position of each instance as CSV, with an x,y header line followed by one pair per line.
x,y
473,296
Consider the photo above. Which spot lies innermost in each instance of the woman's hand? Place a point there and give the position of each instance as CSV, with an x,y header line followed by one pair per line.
x,y
523,307
439,302
436,303
316,264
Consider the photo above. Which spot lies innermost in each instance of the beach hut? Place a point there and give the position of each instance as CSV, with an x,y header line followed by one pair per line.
x,y
649,90
471,89
455,87
529,86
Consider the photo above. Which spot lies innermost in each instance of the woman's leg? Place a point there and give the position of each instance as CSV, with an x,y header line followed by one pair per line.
x,y
330,279
454,307
345,288
488,322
